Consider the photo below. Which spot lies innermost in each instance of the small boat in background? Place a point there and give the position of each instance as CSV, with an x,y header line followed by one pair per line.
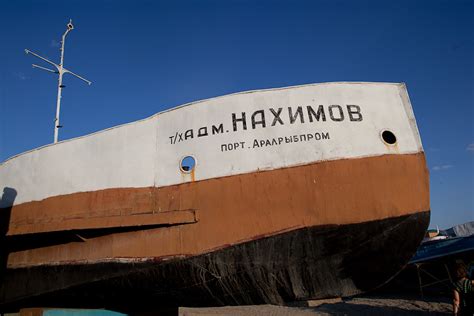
x,y
454,242
434,234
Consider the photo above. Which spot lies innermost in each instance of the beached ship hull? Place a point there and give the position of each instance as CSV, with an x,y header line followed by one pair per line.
x,y
299,194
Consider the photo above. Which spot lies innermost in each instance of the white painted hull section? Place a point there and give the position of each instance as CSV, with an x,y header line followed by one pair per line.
x,y
148,152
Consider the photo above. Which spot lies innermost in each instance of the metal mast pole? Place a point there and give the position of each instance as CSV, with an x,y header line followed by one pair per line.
x,y
60,83
60,70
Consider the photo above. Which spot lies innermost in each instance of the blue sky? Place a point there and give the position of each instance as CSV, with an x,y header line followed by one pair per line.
x,y
146,56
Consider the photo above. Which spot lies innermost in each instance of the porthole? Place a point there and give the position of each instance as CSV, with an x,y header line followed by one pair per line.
x,y
388,137
187,164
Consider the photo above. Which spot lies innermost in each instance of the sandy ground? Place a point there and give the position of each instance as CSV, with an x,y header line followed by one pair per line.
x,y
363,305
374,305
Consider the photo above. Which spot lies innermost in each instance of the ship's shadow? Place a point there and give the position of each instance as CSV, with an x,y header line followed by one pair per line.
x,y
6,204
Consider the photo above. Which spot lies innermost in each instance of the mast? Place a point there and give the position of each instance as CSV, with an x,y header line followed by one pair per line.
x,y
60,70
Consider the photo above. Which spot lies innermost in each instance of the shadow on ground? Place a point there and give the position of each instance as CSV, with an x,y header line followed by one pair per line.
x,y
383,305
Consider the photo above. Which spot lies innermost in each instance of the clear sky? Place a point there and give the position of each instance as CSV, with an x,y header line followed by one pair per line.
x,y
147,56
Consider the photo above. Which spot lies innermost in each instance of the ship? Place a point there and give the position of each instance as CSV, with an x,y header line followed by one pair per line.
x,y
257,197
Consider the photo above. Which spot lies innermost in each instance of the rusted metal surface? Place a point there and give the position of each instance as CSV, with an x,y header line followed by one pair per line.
x,y
45,224
240,208
272,168
313,262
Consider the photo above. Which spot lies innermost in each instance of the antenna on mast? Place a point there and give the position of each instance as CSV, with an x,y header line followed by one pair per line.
x,y
60,70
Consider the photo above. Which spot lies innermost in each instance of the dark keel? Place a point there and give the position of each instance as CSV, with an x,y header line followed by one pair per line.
x,y
308,263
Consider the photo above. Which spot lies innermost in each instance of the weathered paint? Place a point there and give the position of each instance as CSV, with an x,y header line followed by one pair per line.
x,y
66,222
274,178
239,208
316,262
147,153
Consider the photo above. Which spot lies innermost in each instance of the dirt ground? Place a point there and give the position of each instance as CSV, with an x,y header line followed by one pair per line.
x,y
369,305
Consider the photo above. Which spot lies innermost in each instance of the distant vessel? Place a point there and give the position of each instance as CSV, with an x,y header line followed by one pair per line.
x,y
455,243
265,196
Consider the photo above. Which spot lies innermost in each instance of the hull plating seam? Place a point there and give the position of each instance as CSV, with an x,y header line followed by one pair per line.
x,y
306,263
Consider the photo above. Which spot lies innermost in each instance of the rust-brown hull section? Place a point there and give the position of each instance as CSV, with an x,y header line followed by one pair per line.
x,y
228,210
356,208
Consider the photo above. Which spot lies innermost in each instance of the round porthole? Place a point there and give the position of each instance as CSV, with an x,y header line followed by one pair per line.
x,y
187,164
388,137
